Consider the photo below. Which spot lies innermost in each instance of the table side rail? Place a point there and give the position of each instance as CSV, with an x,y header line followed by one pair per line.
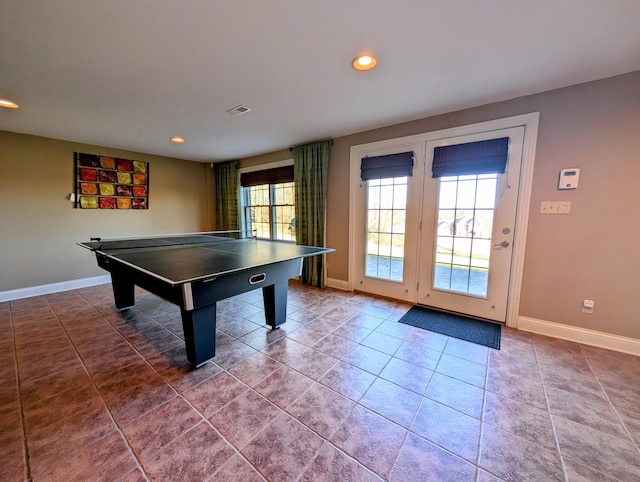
x,y
203,292
239,282
160,287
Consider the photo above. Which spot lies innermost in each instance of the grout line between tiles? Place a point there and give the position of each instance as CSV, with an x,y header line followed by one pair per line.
x,y
326,440
615,409
104,403
25,455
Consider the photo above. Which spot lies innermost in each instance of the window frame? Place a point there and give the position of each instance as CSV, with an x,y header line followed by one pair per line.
x,y
273,207
242,205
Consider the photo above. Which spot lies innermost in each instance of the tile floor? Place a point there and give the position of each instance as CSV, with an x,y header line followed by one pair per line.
x,y
341,392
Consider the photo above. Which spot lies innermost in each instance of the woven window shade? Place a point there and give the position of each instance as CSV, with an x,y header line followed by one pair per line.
x,y
383,167
483,157
268,176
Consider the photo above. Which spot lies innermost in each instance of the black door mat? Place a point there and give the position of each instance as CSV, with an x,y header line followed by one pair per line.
x,y
469,329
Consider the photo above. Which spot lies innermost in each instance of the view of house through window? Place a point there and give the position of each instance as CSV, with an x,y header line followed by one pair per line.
x,y
269,211
465,221
386,215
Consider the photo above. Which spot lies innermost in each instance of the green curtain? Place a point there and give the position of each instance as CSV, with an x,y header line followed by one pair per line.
x,y
226,174
310,165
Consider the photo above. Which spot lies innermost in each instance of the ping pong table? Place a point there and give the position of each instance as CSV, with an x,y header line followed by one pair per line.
x,y
194,271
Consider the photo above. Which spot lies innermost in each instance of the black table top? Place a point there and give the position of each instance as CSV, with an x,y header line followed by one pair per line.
x,y
182,259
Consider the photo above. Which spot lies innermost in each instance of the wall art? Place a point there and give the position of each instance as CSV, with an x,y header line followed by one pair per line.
x,y
111,183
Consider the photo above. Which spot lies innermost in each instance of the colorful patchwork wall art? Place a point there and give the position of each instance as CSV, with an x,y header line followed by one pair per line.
x,y
111,183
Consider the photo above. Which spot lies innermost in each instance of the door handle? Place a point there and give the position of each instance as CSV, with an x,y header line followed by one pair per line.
x,y
504,244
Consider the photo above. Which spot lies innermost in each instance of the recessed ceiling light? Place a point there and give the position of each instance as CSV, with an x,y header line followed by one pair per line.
x,y
8,104
177,140
364,62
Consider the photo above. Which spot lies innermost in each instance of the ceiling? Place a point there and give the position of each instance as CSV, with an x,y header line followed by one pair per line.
x,y
131,74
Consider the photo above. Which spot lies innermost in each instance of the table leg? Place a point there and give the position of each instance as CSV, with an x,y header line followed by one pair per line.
x,y
123,291
199,327
275,303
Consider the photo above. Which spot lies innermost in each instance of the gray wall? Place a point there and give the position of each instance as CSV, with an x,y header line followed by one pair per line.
x,y
592,253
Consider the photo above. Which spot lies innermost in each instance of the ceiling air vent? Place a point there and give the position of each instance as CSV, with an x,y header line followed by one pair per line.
x,y
238,110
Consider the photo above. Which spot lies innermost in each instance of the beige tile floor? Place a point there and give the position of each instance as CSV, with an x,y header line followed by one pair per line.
x,y
341,392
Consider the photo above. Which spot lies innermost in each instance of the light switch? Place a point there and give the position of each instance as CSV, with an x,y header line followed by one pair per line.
x,y
555,207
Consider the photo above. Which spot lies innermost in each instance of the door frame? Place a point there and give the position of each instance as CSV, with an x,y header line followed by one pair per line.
x,y
406,290
530,123
493,305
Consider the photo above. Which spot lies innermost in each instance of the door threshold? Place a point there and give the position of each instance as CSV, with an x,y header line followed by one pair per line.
x,y
465,315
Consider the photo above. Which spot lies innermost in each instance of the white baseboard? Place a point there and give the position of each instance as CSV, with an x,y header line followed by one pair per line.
x,y
53,288
337,284
580,335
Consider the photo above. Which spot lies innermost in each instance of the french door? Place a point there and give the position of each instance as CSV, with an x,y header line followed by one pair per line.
x,y
387,228
456,248
465,249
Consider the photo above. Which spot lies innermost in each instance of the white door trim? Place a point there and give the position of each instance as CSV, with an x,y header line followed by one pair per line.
x,y
406,289
530,123
493,304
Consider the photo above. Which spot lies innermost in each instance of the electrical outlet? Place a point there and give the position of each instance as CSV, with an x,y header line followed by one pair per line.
x,y
587,306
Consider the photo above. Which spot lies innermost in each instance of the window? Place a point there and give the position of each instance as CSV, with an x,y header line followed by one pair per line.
x,y
386,214
387,180
465,222
269,210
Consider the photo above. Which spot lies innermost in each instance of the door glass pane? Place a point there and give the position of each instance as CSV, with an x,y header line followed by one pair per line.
x,y
446,221
373,221
486,194
463,238
483,223
386,219
373,194
444,249
447,197
480,253
466,194
399,218
386,196
461,251
400,196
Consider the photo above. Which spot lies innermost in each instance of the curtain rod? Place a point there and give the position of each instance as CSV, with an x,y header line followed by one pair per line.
x,y
330,141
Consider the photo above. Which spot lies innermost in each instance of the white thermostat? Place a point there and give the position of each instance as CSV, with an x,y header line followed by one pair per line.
x,y
569,178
